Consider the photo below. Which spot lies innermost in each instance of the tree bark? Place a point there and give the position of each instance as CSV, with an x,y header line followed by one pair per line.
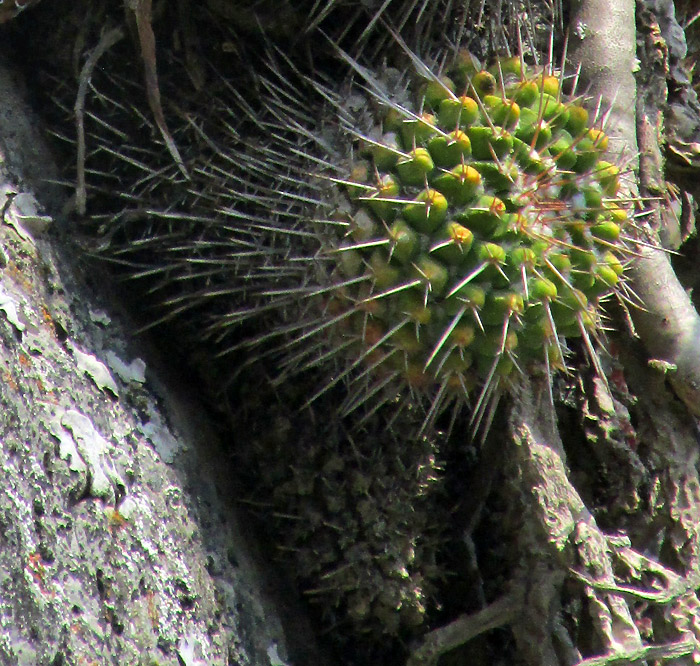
x,y
118,542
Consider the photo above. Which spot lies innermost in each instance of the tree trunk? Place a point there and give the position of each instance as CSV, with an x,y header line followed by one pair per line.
x,y
116,542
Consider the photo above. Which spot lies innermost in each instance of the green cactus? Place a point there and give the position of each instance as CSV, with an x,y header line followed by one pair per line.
x,y
498,188
394,256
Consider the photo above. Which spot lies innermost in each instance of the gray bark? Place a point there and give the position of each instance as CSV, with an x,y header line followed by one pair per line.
x,y
119,540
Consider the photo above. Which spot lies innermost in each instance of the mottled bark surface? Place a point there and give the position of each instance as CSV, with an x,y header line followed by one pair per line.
x,y
116,546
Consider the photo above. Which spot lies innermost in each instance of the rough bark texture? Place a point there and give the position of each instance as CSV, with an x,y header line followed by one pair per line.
x,y
115,543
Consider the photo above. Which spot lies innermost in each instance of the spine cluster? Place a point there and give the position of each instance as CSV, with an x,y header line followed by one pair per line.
x,y
482,229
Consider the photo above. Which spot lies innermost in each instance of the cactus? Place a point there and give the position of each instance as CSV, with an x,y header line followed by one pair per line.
x,y
481,229
454,233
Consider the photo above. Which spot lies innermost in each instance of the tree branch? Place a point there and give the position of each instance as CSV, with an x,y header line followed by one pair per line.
x,y
603,42
443,639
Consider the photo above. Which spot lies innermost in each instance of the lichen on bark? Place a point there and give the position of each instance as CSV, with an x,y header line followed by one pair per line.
x,y
107,553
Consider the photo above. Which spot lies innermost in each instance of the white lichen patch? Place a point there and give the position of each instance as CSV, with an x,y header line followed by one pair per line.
x,y
96,370
157,432
88,454
24,217
187,649
134,372
274,657
100,317
128,508
10,307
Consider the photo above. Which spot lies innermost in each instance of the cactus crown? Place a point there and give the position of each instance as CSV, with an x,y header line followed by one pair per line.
x,y
480,228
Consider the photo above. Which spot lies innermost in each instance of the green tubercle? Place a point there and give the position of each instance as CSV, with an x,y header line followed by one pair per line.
x,y
415,167
457,112
427,212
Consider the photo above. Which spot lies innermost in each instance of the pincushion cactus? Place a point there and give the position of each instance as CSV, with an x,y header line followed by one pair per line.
x,y
480,228
383,247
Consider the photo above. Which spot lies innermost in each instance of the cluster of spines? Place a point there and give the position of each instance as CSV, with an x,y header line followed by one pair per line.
x,y
484,228
479,228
